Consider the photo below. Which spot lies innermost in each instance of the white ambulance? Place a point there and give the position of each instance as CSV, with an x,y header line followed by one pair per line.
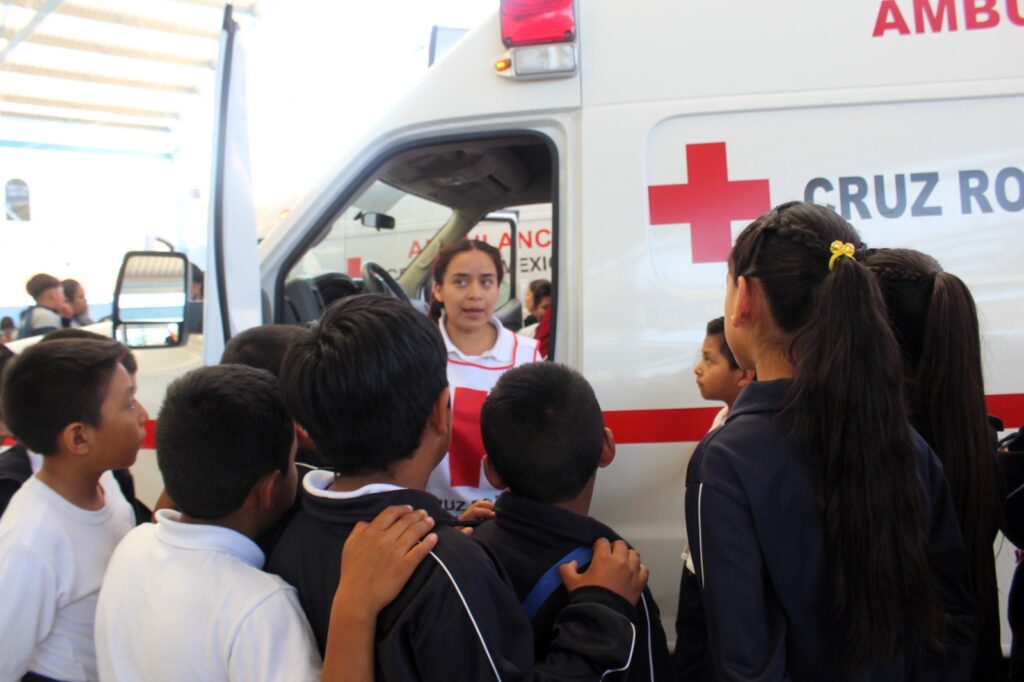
x,y
641,137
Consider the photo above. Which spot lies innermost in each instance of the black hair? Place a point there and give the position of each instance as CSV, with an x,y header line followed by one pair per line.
x,y
5,355
363,382
444,258
71,287
40,283
936,324
716,327
129,362
220,429
850,425
6,323
263,346
50,385
541,289
543,431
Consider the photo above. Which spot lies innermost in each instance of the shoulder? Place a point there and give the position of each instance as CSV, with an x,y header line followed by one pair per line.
x,y
747,452
30,520
463,565
42,316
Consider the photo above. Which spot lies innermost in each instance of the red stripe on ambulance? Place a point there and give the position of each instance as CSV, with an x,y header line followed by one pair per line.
x,y
690,424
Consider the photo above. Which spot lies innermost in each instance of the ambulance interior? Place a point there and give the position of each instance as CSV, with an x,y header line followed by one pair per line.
x,y
384,236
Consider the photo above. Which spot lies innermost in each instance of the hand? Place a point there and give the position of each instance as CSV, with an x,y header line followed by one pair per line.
x,y
379,557
615,567
480,510
65,310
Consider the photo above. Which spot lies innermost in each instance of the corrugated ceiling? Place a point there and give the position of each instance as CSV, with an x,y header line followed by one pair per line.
x,y
130,65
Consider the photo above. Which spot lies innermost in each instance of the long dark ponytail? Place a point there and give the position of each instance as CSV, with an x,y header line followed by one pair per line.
x,y
936,324
850,424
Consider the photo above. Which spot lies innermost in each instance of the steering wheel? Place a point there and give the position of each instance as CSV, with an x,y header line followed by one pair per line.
x,y
376,280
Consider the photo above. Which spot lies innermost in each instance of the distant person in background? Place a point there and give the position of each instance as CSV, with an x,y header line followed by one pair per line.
x,y
538,299
50,308
7,329
74,294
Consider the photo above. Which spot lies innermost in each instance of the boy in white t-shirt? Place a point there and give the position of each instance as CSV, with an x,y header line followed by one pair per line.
x,y
72,401
226,451
186,598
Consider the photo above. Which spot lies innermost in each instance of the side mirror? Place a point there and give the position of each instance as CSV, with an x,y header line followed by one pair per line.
x,y
381,221
150,299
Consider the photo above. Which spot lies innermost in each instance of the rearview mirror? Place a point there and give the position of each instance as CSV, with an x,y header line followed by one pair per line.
x,y
150,299
381,221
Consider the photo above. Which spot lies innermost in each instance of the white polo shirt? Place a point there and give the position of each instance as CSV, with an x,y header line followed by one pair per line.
x,y
185,601
460,479
52,559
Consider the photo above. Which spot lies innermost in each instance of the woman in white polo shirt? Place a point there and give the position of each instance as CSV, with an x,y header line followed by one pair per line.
x,y
467,278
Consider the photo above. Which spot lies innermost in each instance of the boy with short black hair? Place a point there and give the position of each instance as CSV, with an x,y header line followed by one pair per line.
x,y
370,385
226,449
263,346
719,376
18,463
545,438
72,401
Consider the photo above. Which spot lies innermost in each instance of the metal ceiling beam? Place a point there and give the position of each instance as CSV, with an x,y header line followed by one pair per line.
x,y
89,106
109,49
131,20
25,33
100,79
249,7
83,121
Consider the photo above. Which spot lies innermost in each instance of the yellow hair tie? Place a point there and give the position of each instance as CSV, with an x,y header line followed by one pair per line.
x,y
838,249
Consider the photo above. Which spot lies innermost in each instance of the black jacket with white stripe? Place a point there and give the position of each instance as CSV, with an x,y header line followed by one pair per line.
x,y
529,538
758,543
456,618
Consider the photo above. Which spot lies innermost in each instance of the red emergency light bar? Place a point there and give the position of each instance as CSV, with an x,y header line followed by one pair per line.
x,y
529,22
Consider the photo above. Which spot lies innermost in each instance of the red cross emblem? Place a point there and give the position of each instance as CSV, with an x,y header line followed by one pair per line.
x,y
467,447
709,202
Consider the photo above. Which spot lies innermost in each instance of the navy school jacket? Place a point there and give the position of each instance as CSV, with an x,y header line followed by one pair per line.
x,y
529,538
456,618
758,547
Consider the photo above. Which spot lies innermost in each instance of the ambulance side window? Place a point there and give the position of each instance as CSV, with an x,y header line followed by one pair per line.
x,y
499,189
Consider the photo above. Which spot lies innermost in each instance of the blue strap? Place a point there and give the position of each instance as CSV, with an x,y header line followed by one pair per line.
x,y
550,581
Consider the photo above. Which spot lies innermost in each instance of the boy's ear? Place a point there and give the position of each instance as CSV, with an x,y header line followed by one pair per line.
x,y
305,442
262,492
75,439
492,474
608,450
440,419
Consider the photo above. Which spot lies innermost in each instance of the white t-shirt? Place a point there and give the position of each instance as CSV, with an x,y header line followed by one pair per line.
x,y
185,601
52,559
459,478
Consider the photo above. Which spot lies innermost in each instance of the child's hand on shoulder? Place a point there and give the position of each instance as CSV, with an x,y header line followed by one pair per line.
x,y
379,557
615,567
480,510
